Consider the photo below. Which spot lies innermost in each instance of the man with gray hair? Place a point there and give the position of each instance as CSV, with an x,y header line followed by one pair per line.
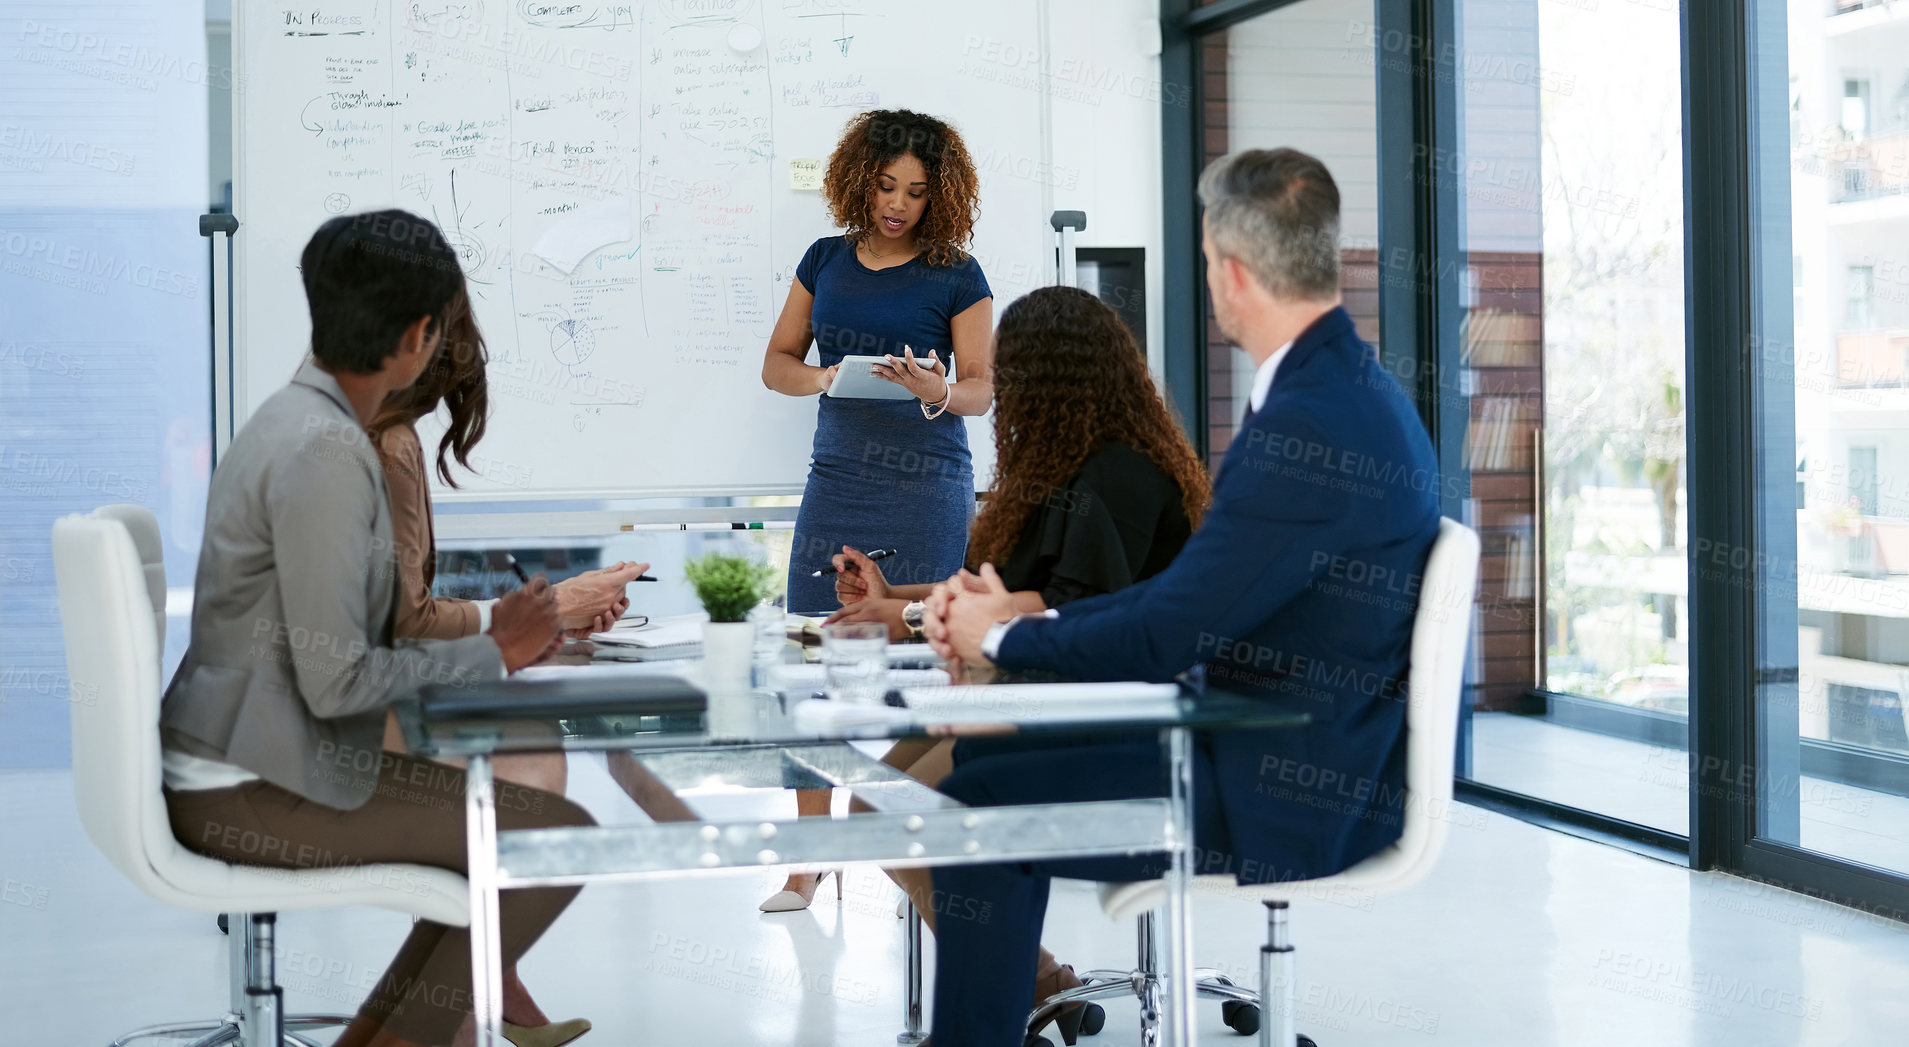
x,y
1298,589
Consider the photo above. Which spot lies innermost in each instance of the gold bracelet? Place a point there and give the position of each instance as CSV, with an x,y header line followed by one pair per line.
x,y
940,406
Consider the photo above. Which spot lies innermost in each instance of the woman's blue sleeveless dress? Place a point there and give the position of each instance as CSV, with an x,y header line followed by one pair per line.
x,y
881,475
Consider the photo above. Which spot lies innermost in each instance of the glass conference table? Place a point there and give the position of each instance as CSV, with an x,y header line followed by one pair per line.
x,y
784,736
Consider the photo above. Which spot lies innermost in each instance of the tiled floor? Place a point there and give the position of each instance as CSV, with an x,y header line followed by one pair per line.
x,y
1522,938
1648,784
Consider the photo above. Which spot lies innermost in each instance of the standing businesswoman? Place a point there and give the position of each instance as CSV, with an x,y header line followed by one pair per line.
x,y
896,283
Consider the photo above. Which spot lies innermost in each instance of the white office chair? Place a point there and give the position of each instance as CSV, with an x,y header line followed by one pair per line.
x,y
1440,629
112,609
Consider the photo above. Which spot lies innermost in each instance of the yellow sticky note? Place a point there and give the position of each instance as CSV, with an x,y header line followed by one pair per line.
x,y
805,174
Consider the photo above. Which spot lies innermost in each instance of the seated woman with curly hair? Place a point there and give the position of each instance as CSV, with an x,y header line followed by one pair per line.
x,y
1096,488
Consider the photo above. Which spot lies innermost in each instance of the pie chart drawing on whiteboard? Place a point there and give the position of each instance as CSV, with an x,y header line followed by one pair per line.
x,y
572,342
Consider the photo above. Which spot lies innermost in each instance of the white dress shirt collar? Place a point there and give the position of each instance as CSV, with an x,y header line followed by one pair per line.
x,y
1263,378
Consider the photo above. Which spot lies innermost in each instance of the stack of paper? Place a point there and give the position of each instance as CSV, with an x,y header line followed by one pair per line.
x,y
1038,702
673,631
1001,693
599,670
914,655
815,677
1006,704
815,714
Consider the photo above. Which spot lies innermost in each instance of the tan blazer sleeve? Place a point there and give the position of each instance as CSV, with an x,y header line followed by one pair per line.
x,y
420,616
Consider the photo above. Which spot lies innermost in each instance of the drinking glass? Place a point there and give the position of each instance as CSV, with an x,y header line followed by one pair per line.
x,y
855,662
772,633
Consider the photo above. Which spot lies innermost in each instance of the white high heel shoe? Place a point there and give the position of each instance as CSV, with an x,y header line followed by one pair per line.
x,y
795,901
555,1034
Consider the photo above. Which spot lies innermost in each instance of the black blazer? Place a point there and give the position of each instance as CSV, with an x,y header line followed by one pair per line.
x,y
1118,520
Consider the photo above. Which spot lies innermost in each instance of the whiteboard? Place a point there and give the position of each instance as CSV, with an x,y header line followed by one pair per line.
x,y
617,180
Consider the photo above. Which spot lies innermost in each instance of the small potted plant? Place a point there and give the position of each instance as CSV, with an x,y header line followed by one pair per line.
x,y
729,588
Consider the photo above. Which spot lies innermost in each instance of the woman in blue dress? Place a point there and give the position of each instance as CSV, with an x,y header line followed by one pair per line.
x,y
896,283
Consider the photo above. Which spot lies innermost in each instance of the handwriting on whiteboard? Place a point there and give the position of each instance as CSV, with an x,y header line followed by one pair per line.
x,y
676,120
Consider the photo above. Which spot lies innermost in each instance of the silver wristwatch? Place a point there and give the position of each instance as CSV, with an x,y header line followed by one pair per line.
x,y
911,616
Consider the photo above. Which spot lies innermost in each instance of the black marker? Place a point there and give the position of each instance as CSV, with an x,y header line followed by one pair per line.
x,y
879,554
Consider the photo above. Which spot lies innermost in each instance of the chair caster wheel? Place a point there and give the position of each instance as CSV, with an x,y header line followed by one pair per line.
x,y
1243,1018
1305,1041
1037,1041
1092,1020
224,928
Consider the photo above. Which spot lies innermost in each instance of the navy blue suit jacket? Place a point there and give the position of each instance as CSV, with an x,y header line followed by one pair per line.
x,y
1299,587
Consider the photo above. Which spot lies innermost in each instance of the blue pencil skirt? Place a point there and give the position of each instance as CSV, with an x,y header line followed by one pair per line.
x,y
921,510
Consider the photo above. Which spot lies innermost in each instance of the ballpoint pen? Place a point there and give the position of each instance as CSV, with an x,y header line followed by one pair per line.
x,y
879,554
516,568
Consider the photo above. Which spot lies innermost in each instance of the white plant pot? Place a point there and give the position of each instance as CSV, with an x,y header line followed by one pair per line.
x,y
728,656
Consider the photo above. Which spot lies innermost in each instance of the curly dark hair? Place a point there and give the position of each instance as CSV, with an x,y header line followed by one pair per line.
x,y
1068,378
455,377
875,139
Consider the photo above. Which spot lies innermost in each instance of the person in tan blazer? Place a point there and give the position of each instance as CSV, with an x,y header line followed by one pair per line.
x,y
270,730
590,602
456,381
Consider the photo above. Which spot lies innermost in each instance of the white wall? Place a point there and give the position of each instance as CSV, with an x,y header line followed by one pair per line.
x,y
1497,168
1304,77
1105,93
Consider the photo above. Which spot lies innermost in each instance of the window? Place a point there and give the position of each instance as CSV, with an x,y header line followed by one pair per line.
x,y
1572,225
1301,76
1859,289
1862,480
104,346
1831,750
1856,108
1861,505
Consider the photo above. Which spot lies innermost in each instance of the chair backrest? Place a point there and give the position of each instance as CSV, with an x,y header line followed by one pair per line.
x,y
1441,628
112,604
143,526
112,663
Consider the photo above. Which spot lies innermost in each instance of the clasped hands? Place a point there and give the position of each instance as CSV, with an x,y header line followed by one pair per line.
x,y
959,613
